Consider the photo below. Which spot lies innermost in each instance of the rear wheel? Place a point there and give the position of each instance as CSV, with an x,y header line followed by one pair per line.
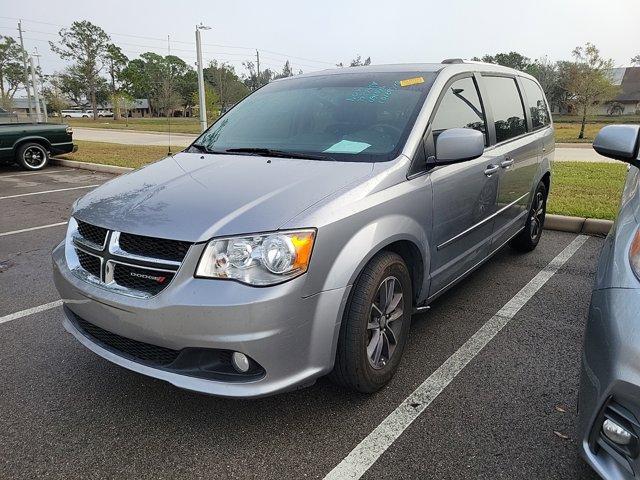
x,y
527,240
375,325
32,156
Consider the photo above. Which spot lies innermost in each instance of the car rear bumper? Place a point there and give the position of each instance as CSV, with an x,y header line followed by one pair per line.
x,y
610,380
291,337
65,147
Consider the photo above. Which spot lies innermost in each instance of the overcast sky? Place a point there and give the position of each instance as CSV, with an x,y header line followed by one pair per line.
x,y
316,35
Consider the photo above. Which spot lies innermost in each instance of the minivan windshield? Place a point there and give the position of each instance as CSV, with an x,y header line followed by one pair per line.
x,y
347,117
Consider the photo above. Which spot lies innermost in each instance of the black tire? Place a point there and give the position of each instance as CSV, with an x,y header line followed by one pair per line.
x,y
32,156
355,368
527,240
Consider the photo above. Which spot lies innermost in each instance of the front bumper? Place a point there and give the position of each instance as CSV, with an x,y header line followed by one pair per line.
x,y
292,337
610,378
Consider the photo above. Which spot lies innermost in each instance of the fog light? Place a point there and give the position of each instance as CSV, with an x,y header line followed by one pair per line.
x,y
616,433
240,362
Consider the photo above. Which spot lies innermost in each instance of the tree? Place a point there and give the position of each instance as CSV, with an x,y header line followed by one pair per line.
x,y
356,62
252,81
286,70
510,59
53,95
226,83
11,70
116,62
86,45
168,82
211,101
589,80
636,60
135,78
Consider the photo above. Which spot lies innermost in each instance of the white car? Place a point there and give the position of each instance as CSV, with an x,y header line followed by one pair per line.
x,y
101,113
76,113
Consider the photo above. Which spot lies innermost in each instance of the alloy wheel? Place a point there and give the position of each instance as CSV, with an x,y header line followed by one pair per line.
x,y
537,215
385,322
34,156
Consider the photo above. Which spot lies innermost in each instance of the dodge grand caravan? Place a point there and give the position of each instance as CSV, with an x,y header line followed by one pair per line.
x,y
297,235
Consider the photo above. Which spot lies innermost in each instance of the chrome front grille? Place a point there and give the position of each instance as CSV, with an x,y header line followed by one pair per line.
x,y
129,264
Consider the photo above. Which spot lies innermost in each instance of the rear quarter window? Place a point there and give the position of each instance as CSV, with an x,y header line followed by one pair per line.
x,y
506,104
536,104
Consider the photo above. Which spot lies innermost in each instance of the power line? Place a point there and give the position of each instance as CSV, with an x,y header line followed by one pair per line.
x,y
178,41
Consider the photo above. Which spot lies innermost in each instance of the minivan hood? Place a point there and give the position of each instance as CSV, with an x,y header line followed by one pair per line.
x,y
195,197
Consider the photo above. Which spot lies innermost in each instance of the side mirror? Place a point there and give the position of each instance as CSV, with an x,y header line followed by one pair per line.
x,y
620,142
458,145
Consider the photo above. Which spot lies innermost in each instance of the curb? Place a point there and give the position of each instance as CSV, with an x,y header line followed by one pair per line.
x,y
587,226
574,145
562,223
94,167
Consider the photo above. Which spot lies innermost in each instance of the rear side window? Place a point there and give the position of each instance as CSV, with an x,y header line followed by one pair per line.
x,y
460,108
536,104
508,113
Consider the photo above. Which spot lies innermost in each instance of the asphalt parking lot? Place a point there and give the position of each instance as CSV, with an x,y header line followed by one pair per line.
x,y
509,413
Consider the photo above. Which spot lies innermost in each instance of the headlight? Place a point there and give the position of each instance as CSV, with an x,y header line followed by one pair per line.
x,y
634,254
262,259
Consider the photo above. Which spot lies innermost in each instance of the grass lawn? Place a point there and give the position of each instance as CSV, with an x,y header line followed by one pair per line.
x,y
578,188
116,154
568,126
583,189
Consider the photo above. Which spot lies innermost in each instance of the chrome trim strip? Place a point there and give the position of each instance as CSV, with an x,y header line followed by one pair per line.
x,y
111,284
115,249
79,270
479,224
463,275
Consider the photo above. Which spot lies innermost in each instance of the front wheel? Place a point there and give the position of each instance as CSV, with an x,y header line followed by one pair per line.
x,y
527,240
375,325
32,156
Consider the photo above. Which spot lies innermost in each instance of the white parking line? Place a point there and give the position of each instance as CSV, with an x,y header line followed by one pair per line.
x,y
30,311
365,454
46,191
22,230
50,172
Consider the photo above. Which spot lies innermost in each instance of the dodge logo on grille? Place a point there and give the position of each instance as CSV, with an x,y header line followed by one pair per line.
x,y
159,279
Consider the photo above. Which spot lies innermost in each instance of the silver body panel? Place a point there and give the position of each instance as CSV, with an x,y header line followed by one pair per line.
x,y
455,216
611,355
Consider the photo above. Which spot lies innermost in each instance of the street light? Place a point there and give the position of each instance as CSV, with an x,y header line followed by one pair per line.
x,y
203,107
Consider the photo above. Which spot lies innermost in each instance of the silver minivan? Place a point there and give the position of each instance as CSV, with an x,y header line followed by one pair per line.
x,y
296,236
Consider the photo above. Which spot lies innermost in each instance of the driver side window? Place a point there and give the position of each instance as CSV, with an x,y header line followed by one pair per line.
x,y
460,108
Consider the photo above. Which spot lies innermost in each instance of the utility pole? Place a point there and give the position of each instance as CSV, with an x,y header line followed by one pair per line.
x,y
258,67
44,102
24,64
201,92
35,89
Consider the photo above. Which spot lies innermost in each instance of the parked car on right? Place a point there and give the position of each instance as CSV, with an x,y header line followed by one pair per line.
x,y
609,402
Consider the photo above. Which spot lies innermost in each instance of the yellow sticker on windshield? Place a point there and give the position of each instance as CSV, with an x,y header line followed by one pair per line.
x,y
411,81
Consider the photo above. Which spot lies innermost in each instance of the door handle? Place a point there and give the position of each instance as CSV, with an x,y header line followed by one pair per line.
x,y
491,169
506,163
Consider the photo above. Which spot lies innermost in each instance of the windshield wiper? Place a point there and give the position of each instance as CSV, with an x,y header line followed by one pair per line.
x,y
200,147
268,152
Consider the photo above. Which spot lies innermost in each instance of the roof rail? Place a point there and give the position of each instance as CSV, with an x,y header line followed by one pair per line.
x,y
452,60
